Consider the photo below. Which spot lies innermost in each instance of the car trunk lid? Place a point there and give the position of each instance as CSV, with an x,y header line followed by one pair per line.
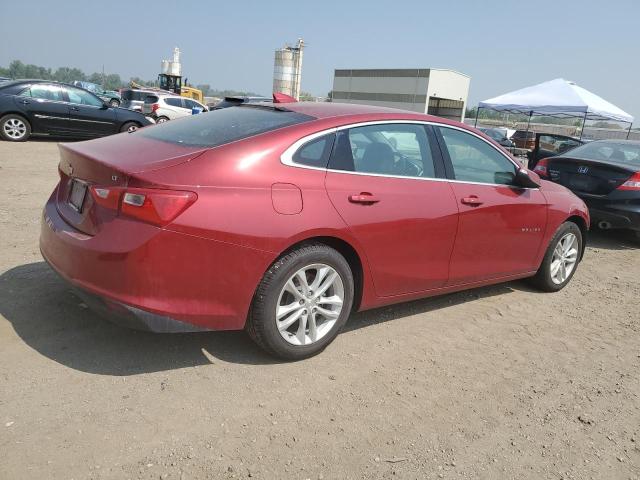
x,y
108,164
585,176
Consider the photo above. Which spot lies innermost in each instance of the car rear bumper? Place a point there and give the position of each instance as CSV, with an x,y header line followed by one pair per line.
x,y
150,278
615,215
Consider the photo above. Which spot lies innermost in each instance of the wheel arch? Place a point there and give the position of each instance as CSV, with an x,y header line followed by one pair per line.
x,y
350,254
584,230
21,115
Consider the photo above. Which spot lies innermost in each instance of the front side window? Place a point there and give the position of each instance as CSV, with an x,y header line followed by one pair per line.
x,y
174,102
475,160
82,97
45,92
385,149
315,153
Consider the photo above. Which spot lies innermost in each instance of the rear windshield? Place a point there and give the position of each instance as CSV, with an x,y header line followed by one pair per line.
x,y
211,129
226,103
151,99
625,153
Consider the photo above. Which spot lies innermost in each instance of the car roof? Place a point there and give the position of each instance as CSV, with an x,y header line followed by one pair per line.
x,y
329,110
616,141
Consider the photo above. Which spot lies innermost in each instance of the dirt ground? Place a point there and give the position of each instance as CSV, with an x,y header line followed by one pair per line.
x,y
500,382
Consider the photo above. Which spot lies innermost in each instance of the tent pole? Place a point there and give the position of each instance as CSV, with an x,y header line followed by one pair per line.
x,y
477,113
526,135
584,122
629,130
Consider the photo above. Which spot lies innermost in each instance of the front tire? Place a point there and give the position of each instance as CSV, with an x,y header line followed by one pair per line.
x,y
302,302
162,119
561,259
14,128
129,127
114,103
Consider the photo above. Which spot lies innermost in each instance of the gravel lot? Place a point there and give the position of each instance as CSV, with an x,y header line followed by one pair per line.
x,y
500,382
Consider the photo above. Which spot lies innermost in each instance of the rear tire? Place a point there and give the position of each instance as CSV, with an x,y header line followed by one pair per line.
x,y
162,119
293,317
130,127
114,103
560,260
14,128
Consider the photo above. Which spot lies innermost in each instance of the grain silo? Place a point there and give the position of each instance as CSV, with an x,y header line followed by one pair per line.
x,y
287,70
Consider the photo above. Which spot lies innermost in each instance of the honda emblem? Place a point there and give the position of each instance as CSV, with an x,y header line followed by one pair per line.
x,y
583,169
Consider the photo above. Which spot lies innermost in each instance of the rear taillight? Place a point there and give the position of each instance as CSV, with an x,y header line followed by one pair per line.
x,y
633,183
155,206
542,167
155,107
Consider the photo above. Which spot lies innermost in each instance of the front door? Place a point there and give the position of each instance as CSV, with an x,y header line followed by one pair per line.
x,y
383,181
500,225
88,115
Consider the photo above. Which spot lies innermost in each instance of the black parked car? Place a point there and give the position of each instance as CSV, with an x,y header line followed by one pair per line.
x,y
606,175
41,107
235,101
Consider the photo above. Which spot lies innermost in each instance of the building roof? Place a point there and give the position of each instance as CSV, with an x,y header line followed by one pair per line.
x,y
335,109
392,72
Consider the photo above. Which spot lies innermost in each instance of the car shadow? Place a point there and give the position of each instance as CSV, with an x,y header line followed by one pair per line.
x,y
613,239
49,318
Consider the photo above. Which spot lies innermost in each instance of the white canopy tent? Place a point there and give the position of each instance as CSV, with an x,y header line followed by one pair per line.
x,y
557,98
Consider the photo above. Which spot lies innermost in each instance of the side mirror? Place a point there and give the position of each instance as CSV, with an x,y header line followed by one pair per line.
x,y
527,179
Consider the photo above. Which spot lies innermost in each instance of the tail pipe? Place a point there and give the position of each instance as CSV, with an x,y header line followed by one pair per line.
x,y
604,225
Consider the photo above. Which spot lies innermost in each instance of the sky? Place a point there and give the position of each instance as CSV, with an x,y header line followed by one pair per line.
x,y
502,45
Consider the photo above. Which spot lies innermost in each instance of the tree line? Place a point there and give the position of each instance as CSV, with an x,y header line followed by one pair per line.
x,y
109,81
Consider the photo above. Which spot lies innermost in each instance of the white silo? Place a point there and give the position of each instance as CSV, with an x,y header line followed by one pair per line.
x,y
173,67
287,70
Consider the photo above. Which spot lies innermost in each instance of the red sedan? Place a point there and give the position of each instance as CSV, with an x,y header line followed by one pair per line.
x,y
283,219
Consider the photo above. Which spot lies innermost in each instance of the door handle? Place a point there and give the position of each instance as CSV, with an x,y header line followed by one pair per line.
x,y
365,198
75,109
472,200
25,102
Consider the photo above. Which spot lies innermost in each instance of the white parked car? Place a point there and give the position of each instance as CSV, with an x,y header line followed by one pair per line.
x,y
162,108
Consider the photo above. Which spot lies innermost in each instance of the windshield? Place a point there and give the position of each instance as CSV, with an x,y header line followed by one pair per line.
x,y
618,152
495,134
211,129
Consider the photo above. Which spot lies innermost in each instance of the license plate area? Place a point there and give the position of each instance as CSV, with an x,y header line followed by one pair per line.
x,y
77,195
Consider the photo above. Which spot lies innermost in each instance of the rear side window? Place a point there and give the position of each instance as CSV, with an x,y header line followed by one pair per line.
x,y
151,99
223,126
475,160
315,153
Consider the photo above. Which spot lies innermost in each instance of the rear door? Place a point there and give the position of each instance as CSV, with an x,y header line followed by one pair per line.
x,y
46,108
386,182
550,145
177,107
88,115
500,225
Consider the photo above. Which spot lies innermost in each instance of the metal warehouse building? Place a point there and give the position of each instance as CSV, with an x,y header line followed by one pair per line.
x,y
425,90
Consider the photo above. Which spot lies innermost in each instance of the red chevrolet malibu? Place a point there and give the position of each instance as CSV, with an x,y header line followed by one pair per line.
x,y
282,219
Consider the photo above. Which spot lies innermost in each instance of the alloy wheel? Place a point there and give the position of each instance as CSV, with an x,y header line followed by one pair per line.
x,y
132,128
564,259
309,304
15,128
